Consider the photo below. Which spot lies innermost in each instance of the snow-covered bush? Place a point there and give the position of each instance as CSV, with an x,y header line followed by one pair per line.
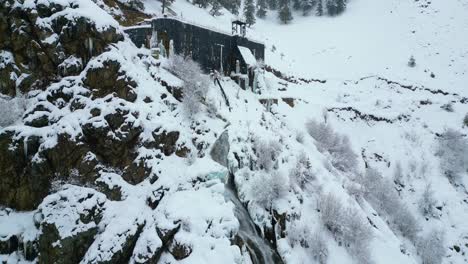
x,y
405,221
398,174
465,120
300,234
318,247
448,107
196,84
11,110
301,172
331,214
412,62
428,203
381,193
338,146
431,247
453,153
347,226
357,235
300,136
268,187
267,153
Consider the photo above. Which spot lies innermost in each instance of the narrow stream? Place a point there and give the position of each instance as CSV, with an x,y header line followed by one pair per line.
x,y
261,252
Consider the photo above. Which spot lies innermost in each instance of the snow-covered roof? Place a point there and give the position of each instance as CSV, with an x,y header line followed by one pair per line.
x,y
249,58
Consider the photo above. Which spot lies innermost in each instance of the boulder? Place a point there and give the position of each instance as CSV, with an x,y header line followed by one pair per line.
x,y
220,150
109,79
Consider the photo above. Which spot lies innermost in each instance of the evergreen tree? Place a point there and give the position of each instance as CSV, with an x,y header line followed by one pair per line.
x,y
215,8
297,4
261,8
284,14
319,8
231,5
307,6
249,12
273,4
336,7
201,3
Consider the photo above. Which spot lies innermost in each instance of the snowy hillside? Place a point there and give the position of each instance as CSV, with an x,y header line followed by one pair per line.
x,y
347,154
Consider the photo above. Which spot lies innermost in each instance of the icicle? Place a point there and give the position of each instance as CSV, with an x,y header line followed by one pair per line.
x,y
25,147
255,80
154,39
162,49
237,67
90,46
171,48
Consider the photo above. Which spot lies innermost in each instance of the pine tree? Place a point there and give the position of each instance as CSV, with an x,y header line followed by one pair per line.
x,y
297,4
201,3
336,7
307,6
284,14
215,8
231,5
273,4
319,8
249,12
261,8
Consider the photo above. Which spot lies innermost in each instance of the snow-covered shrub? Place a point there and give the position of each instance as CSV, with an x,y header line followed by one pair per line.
x,y
405,221
347,226
339,146
196,84
382,195
431,247
357,235
268,187
412,62
448,107
465,120
331,214
267,153
453,153
428,203
11,110
299,234
301,172
398,174
300,137
318,247
343,156
322,133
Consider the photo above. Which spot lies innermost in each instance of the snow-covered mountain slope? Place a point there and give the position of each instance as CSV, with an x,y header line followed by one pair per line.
x,y
106,165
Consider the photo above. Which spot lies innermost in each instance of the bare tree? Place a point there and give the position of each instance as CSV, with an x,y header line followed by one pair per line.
x,y
453,153
301,172
267,153
338,146
427,204
431,247
196,84
268,187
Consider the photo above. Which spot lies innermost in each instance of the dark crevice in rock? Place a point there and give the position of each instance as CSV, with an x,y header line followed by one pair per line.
x,y
413,88
367,117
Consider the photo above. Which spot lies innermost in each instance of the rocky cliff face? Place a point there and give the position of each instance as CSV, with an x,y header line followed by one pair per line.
x,y
93,156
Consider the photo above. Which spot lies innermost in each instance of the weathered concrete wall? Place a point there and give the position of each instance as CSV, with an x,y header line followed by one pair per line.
x,y
139,35
202,44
